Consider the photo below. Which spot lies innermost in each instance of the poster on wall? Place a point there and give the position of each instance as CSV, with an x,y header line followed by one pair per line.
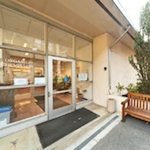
x,y
82,76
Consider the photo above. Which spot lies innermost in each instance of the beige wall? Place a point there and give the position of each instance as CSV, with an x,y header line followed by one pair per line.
x,y
121,70
100,76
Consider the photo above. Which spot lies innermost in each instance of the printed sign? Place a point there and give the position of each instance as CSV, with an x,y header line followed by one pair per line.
x,y
82,76
40,80
20,81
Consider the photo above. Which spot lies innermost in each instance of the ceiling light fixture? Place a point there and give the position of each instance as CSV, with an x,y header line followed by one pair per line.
x,y
23,59
26,54
25,45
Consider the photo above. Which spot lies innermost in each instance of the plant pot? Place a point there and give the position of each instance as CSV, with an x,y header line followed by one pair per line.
x,y
80,96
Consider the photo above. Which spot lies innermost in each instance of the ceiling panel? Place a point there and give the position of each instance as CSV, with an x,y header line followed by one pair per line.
x,y
61,13
66,41
15,21
81,43
85,16
37,4
56,35
36,29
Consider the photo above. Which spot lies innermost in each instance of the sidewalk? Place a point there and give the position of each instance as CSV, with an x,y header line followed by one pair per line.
x,y
83,138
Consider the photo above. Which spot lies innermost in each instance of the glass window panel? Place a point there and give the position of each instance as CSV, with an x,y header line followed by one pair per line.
x,y
83,81
19,68
62,71
83,71
21,31
60,43
83,91
24,103
83,48
62,100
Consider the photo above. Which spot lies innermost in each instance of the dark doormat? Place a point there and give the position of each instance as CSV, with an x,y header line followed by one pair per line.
x,y
57,103
53,130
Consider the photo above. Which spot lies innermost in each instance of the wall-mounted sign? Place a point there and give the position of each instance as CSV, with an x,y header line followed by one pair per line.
x,y
82,76
20,81
39,80
17,63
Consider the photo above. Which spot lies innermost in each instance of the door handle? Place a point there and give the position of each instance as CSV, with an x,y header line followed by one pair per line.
x,y
49,94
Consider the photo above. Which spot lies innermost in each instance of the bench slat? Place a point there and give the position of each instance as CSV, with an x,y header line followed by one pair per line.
x,y
138,111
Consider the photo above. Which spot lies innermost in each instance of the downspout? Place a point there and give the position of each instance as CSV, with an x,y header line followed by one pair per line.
x,y
109,57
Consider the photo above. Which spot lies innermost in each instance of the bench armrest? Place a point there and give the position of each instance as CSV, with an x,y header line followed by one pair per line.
x,y
124,102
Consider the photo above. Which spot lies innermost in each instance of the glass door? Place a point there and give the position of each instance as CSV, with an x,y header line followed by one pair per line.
x,y
61,86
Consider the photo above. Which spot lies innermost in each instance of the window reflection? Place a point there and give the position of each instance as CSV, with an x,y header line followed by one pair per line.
x,y
60,43
83,81
25,102
83,48
61,75
19,68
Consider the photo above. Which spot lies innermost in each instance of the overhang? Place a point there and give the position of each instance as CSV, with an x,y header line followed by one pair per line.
x,y
90,18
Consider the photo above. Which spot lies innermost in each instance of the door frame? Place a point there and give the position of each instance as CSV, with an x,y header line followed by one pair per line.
x,y
66,109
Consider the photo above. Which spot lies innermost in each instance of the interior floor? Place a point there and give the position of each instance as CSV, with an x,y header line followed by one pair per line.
x,y
25,105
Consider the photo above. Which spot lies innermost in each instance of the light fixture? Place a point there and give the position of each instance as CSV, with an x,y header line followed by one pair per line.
x,y
26,54
23,59
25,45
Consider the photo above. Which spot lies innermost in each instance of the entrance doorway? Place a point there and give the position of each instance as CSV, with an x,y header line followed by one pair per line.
x,y
61,85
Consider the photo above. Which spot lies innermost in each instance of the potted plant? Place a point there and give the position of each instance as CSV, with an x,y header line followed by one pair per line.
x,y
132,88
119,88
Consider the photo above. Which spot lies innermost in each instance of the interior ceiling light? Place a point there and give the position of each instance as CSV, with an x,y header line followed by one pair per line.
x,y
23,59
25,45
26,54
11,41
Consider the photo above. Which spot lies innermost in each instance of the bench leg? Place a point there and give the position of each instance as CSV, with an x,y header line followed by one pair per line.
x,y
123,115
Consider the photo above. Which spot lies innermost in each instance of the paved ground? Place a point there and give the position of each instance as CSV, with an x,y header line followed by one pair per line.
x,y
134,134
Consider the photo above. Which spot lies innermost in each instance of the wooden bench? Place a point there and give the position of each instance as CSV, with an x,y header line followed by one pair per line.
x,y
136,105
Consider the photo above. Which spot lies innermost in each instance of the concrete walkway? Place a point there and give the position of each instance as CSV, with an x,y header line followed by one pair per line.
x,y
133,134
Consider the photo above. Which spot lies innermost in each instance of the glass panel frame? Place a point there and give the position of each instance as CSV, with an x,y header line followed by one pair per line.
x,y
84,81
17,68
53,113
83,48
60,43
23,103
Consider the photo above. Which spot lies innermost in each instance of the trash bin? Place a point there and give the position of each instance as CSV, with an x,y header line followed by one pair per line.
x,y
80,96
111,105
5,115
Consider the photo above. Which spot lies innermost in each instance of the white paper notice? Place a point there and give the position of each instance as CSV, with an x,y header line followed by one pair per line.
x,y
20,81
82,76
40,80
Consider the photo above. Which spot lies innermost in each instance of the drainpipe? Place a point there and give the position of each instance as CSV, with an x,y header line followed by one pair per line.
x,y
109,57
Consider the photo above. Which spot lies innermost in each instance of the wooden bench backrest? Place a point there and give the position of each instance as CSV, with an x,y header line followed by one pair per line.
x,y
139,100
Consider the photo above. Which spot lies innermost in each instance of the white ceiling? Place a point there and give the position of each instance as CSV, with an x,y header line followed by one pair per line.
x,y
84,16
20,23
